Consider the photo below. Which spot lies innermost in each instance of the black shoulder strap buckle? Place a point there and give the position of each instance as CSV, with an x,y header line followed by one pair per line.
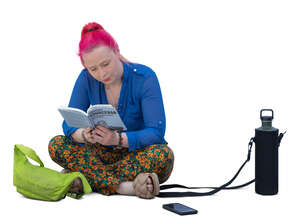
x,y
250,144
280,137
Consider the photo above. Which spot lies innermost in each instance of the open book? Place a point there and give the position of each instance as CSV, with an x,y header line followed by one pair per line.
x,y
101,114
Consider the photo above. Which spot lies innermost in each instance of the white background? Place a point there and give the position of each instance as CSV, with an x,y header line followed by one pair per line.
x,y
218,64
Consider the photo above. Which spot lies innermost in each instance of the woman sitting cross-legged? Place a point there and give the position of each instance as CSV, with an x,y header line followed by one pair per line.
x,y
131,162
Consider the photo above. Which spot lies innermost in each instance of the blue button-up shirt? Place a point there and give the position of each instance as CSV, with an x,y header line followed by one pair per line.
x,y
140,104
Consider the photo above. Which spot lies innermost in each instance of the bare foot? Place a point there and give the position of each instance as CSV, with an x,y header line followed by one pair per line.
x,y
149,184
76,186
126,187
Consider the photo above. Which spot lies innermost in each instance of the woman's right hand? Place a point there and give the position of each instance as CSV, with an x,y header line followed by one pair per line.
x,y
88,135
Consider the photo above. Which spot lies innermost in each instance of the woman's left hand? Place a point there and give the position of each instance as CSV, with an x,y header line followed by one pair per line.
x,y
105,136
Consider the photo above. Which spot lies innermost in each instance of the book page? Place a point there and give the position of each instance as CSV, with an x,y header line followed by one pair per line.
x,y
107,116
75,117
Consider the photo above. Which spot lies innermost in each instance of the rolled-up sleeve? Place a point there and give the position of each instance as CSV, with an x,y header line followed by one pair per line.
x,y
153,116
79,99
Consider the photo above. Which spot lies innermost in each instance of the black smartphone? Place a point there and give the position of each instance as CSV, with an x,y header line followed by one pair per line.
x,y
180,209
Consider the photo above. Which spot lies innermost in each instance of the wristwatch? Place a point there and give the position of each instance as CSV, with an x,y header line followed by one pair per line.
x,y
119,146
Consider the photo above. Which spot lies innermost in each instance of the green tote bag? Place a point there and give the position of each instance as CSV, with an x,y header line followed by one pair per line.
x,y
39,182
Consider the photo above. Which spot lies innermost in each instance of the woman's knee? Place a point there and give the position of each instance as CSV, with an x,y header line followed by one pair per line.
x,y
54,144
165,162
165,153
161,156
168,158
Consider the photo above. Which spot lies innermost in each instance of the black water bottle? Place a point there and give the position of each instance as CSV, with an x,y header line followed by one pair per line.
x,y
266,156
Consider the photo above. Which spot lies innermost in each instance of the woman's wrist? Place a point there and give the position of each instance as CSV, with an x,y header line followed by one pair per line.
x,y
77,135
121,140
124,140
83,137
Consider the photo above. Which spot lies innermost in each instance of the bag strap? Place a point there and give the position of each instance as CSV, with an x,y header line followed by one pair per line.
x,y
216,189
29,152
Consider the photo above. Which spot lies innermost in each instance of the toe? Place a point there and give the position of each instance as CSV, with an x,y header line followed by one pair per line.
x,y
144,186
149,180
150,187
149,184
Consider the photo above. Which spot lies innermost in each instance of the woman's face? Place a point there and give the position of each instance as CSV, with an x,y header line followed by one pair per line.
x,y
103,64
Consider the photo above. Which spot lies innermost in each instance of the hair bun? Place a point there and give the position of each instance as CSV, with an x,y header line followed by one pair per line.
x,y
91,27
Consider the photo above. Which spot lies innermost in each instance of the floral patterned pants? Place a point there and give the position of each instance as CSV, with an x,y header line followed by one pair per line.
x,y
105,168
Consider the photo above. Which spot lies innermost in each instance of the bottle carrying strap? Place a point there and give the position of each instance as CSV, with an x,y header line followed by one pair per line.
x,y
216,189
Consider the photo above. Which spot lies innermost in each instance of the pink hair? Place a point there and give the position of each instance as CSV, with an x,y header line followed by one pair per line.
x,y
94,35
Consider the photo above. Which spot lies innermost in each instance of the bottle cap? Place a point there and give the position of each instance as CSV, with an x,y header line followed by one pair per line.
x,y
266,118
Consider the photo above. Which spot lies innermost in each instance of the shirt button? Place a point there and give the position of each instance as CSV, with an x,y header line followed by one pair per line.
x,y
134,69
159,122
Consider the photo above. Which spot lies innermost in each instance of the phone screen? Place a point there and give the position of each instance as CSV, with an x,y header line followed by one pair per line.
x,y
180,209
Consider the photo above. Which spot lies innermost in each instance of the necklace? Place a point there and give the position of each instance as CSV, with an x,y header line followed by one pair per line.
x,y
112,98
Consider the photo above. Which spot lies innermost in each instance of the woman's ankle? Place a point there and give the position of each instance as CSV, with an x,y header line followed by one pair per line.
x,y
126,188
